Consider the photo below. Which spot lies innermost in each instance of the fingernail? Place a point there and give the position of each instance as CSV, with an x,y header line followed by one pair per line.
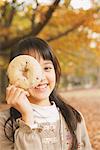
x,y
16,83
27,93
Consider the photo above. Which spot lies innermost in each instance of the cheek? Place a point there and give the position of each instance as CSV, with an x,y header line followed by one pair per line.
x,y
52,78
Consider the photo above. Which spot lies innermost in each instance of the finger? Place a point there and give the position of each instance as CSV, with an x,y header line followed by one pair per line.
x,y
17,93
9,85
20,90
16,83
14,97
29,90
27,93
8,89
10,94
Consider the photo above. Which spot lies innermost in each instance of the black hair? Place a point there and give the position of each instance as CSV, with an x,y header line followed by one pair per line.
x,y
71,116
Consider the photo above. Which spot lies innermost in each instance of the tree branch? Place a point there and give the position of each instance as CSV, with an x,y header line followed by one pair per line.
x,y
36,28
74,27
34,31
65,32
8,12
10,43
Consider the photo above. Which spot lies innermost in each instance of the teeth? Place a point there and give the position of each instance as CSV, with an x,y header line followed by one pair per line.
x,y
41,86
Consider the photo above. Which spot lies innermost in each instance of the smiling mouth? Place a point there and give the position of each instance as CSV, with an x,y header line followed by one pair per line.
x,y
41,86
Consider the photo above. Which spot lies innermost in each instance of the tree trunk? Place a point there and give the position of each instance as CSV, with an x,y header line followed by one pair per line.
x,y
3,84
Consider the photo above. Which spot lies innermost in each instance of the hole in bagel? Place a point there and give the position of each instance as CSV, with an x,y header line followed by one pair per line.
x,y
25,71
37,78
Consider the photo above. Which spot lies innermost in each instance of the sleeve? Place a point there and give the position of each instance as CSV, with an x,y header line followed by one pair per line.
x,y
25,137
5,143
82,136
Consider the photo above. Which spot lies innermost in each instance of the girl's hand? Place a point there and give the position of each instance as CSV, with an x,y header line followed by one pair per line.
x,y
17,98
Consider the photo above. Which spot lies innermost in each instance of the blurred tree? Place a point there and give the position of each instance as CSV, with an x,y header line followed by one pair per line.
x,y
73,34
75,37
18,20
78,40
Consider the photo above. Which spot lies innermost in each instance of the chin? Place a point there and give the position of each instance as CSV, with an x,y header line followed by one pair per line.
x,y
40,97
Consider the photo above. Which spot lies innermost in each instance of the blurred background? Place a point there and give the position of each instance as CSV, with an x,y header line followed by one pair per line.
x,y
72,28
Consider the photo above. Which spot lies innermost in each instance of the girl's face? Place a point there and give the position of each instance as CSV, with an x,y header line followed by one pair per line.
x,y
40,94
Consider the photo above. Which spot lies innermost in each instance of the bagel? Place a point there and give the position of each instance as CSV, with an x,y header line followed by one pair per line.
x,y
25,71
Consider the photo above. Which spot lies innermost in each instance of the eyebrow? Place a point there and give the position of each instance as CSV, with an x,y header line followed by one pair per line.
x,y
48,62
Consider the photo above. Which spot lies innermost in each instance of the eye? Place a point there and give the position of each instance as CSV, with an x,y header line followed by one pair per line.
x,y
48,68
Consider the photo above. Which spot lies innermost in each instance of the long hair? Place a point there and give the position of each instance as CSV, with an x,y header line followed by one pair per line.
x,y
71,116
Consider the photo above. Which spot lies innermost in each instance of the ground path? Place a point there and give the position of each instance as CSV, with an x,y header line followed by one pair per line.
x,y
88,102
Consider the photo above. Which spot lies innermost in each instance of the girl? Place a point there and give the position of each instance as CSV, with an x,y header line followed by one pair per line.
x,y
41,120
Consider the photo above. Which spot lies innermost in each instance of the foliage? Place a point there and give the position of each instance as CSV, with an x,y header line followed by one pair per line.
x,y
74,49
73,34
